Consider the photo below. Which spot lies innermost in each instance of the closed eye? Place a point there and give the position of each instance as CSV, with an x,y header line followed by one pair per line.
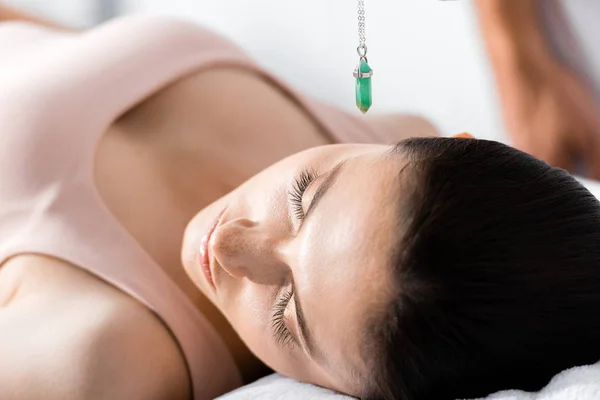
x,y
283,336
301,183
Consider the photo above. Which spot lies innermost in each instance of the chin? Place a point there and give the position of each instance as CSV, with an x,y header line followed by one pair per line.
x,y
190,253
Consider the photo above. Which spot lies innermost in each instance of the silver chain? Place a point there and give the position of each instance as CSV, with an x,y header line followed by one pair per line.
x,y
362,40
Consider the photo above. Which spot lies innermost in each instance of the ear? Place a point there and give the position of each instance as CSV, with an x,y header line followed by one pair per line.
x,y
463,135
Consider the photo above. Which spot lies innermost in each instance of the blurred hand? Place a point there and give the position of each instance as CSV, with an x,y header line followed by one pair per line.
x,y
551,114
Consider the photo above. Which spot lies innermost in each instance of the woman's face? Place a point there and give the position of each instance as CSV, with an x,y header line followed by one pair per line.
x,y
299,258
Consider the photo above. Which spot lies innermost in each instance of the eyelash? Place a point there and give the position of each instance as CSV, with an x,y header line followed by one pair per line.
x,y
301,183
282,334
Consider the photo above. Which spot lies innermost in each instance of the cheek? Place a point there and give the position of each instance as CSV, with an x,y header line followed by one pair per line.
x,y
249,306
250,315
249,311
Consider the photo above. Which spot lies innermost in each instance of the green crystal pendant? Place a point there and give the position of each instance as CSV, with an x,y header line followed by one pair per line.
x,y
364,94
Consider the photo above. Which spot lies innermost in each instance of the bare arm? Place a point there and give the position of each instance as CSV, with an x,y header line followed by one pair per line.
x,y
549,110
512,32
65,335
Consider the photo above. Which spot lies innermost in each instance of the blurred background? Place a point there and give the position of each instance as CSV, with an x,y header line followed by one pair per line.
x,y
427,55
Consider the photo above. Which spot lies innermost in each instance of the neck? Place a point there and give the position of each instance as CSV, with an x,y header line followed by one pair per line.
x,y
178,194
184,169
201,154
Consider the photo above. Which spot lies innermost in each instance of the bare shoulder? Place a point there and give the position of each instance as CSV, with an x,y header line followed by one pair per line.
x,y
75,337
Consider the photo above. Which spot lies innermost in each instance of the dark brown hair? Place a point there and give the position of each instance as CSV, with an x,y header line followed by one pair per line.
x,y
497,274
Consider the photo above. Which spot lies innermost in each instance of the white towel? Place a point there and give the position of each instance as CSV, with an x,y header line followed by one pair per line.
x,y
581,383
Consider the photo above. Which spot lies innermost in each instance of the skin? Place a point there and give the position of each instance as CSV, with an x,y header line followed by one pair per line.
x,y
333,258
171,151
548,110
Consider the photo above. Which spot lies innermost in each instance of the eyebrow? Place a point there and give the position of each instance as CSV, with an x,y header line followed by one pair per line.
x,y
325,186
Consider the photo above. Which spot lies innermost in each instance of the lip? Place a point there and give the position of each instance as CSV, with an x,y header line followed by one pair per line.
x,y
204,254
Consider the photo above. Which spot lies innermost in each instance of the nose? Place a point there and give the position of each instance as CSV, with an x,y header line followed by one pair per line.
x,y
249,249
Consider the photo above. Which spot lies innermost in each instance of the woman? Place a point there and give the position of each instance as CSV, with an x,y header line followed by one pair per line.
x,y
112,140
422,270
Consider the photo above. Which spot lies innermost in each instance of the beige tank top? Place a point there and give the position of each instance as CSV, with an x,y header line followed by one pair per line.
x,y
59,92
